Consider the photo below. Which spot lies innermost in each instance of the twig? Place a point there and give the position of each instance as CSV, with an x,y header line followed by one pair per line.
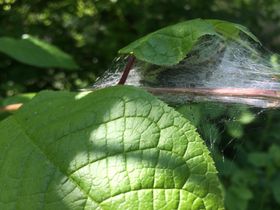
x,y
226,92
130,62
10,108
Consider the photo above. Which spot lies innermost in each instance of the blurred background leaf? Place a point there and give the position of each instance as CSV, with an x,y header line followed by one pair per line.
x,y
35,52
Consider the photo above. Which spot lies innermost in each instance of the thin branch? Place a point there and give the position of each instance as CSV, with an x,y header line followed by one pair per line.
x,y
226,92
129,65
10,108
272,97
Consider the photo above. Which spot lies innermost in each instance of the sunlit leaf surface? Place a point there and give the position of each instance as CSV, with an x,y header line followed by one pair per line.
x,y
116,148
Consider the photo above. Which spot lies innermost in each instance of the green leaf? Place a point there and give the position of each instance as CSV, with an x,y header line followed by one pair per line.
x,y
237,197
275,186
225,166
274,153
33,51
231,30
235,129
192,112
170,45
116,148
259,159
246,117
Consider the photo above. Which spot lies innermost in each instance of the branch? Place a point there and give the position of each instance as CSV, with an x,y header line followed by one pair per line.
x,y
272,96
230,92
10,108
130,62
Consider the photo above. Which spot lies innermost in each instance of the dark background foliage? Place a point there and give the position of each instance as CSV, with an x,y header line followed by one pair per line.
x,y
93,31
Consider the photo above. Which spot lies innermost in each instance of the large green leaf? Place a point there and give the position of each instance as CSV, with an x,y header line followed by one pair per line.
x,y
116,148
33,51
170,45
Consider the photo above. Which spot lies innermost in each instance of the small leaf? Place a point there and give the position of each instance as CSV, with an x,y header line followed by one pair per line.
x,y
246,117
116,148
235,129
259,159
33,51
170,45
237,197
232,30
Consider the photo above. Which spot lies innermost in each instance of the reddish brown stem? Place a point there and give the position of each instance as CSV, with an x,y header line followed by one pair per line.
x,y
130,62
10,108
230,92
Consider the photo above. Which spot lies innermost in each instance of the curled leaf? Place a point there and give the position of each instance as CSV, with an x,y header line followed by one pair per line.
x,y
170,45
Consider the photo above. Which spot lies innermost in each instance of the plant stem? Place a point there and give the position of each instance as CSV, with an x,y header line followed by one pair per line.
x,y
231,92
271,95
130,62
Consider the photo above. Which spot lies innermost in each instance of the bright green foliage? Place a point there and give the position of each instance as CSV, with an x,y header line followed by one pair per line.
x,y
116,148
33,51
170,45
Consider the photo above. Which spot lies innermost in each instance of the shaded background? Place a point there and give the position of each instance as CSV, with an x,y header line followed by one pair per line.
x,y
246,144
